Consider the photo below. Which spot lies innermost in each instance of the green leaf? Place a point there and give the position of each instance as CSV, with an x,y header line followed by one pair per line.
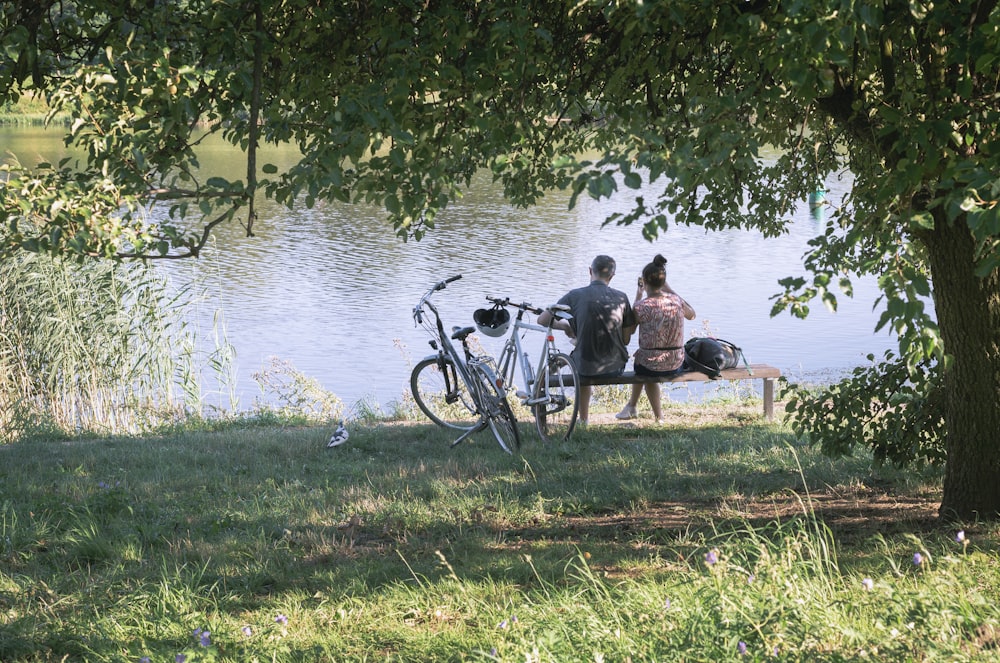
x,y
392,204
922,220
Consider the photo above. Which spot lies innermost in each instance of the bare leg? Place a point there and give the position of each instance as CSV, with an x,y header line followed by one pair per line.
x,y
653,394
628,412
583,393
636,392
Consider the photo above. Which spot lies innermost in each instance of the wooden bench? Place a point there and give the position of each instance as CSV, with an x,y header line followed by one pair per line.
x,y
763,372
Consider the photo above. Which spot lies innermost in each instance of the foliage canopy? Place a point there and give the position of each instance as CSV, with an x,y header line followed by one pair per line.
x,y
400,102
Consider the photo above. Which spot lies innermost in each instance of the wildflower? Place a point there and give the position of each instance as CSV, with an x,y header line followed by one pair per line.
x,y
247,631
281,619
741,647
502,625
204,640
918,559
711,557
751,578
666,604
144,659
867,583
960,536
180,658
493,653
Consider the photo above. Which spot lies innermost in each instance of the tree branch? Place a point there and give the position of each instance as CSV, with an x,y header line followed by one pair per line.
x,y
254,137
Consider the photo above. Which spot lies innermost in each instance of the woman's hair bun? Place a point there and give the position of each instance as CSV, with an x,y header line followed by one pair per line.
x,y
659,260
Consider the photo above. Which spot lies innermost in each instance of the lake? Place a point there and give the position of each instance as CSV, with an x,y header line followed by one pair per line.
x,y
331,289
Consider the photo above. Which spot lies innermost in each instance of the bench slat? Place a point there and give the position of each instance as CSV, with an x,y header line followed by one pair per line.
x,y
629,377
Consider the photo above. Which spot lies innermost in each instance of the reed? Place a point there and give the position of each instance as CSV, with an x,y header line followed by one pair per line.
x,y
29,110
88,348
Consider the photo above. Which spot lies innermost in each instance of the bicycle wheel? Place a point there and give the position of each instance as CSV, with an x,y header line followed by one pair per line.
x,y
501,417
555,403
450,408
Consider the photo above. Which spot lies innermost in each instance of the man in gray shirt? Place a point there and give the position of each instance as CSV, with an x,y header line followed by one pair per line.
x,y
602,324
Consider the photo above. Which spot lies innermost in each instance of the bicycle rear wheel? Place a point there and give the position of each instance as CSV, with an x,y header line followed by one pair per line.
x,y
446,402
497,410
555,403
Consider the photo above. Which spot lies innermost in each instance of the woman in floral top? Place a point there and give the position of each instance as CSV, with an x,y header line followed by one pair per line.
x,y
661,314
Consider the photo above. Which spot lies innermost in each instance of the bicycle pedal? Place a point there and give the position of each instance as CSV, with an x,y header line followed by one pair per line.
x,y
520,394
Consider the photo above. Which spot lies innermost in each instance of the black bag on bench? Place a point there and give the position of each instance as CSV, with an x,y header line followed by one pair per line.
x,y
711,356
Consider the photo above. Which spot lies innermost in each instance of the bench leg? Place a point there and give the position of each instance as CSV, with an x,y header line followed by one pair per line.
x,y
769,398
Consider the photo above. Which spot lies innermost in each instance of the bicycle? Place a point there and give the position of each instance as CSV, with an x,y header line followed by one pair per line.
x,y
460,390
550,387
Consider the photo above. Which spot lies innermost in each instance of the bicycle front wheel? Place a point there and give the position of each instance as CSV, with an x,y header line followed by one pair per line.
x,y
555,403
442,394
497,410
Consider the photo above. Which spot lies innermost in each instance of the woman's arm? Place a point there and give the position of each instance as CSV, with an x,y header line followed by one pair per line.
x,y
688,311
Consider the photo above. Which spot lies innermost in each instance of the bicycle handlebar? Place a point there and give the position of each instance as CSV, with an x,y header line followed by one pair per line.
x,y
560,311
523,306
442,284
418,310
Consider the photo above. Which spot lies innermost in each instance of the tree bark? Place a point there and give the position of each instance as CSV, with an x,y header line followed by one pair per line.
x,y
968,313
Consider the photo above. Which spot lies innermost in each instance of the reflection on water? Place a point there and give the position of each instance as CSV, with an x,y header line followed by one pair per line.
x,y
331,289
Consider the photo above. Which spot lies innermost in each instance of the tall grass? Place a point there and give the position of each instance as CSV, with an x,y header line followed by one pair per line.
x,y
91,348
29,110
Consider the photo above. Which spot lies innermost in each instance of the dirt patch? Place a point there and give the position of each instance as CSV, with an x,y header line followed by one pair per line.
x,y
851,517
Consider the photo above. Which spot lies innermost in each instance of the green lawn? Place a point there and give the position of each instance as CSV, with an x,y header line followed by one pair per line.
x,y
713,534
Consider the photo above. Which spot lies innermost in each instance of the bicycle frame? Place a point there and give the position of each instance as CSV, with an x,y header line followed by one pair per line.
x,y
477,374
513,351
446,347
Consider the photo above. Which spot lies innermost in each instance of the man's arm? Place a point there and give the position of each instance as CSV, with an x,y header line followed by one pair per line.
x,y
562,325
627,333
629,323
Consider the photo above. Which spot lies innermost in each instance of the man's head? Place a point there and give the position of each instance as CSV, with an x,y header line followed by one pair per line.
x,y
602,268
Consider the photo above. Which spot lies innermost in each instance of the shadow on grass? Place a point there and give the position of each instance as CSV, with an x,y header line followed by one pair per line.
x,y
261,513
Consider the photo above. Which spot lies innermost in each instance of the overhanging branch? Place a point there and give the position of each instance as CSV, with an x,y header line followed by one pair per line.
x,y
258,65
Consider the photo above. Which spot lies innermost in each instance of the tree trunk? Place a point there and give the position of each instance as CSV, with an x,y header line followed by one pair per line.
x,y
968,313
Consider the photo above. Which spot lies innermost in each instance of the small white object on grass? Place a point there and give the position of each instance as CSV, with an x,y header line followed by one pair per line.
x,y
339,436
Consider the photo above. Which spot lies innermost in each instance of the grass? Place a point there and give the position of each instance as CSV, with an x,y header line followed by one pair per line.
x,y
27,111
396,547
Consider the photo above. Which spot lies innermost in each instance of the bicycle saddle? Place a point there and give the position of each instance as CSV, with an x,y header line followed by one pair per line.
x,y
561,311
459,333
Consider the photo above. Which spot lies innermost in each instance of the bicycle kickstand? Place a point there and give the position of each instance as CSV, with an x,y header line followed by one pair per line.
x,y
482,425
